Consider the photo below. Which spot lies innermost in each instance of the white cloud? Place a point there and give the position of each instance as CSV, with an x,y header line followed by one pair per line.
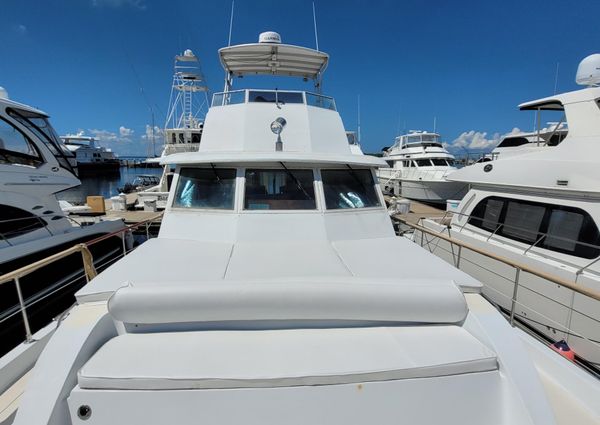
x,y
115,4
158,133
125,132
20,29
479,140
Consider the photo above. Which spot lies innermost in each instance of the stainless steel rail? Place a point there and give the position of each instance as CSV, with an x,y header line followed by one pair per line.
x,y
517,265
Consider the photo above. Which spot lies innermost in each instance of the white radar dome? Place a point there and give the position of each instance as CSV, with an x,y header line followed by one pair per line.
x,y
269,37
588,71
188,52
3,93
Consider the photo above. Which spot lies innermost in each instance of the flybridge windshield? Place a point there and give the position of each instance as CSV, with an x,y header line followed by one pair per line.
x,y
42,128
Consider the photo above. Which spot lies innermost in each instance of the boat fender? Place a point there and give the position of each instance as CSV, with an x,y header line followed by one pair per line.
x,y
562,348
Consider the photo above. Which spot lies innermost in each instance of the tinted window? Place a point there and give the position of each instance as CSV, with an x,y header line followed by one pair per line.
x,y
423,163
349,189
15,147
439,161
487,214
205,188
279,190
15,221
450,162
555,227
272,97
523,221
513,141
42,128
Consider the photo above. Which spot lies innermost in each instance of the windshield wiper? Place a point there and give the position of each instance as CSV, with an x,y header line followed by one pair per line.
x,y
216,174
298,184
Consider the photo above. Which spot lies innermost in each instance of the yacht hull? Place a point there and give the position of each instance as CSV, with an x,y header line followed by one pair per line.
x,y
544,307
49,290
432,191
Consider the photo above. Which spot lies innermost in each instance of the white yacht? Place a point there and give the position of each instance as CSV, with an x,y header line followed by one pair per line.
x,y
262,302
185,122
34,166
419,165
541,208
91,158
525,142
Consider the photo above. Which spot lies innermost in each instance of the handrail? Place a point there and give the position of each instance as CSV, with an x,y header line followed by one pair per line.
x,y
30,268
516,264
88,264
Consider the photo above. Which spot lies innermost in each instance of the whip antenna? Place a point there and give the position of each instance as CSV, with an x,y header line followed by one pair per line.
x,y
231,22
315,23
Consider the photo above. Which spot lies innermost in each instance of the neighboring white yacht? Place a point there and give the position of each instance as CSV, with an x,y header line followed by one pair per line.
x,y
541,208
269,296
91,158
419,165
525,142
185,121
34,166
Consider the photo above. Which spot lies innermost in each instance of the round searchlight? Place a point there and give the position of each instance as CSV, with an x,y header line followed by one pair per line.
x,y
588,71
269,37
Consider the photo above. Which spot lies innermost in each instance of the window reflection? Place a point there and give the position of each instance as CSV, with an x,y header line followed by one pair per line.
x,y
205,188
349,189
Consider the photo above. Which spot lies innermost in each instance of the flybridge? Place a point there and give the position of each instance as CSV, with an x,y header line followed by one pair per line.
x,y
270,57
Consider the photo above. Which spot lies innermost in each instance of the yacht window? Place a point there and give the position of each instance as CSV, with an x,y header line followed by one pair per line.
x,y
523,221
349,189
42,128
563,230
390,163
205,188
450,162
510,142
275,96
487,214
568,230
423,163
556,139
16,222
286,189
15,147
439,161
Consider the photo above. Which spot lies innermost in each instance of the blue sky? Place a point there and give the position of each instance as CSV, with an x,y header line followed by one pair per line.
x,y
467,63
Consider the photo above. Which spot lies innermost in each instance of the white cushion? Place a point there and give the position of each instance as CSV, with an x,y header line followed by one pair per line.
x,y
244,359
414,301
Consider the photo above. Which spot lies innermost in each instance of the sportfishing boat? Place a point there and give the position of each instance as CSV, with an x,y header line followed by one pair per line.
x,y
542,209
185,121
92,159
261,300
34,166
418,167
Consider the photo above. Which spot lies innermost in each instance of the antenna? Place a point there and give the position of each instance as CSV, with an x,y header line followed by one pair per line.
x,y
556,77
434,122
231,22
358,123
315,22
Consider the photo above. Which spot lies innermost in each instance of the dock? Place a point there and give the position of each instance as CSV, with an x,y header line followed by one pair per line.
x,y
419,210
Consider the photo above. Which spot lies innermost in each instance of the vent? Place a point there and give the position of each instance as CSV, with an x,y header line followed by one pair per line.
x,y
562,182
